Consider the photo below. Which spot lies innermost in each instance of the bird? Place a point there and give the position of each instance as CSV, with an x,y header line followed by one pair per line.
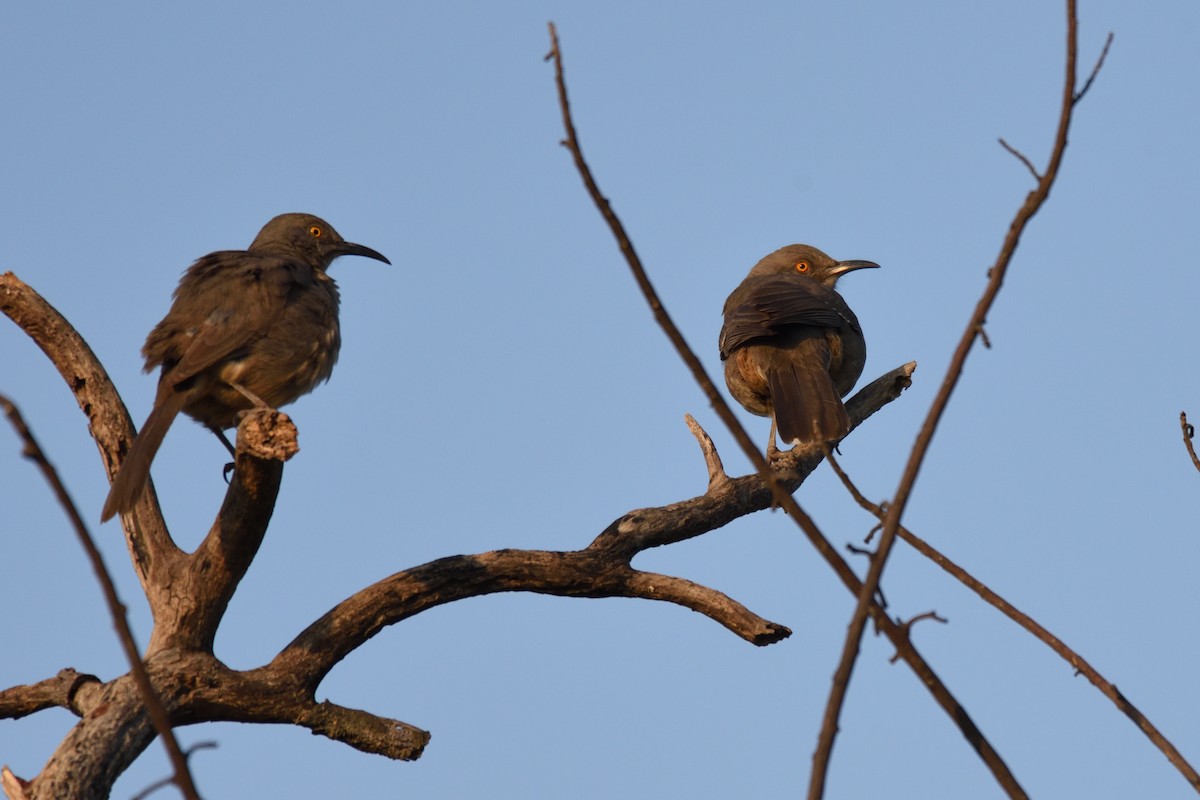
x,y
791,347
246,328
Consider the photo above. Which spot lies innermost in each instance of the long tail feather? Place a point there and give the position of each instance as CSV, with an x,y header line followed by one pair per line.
x,y
135,469
807,406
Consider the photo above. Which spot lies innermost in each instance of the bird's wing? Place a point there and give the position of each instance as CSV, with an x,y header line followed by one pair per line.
x,y
224,303
763,306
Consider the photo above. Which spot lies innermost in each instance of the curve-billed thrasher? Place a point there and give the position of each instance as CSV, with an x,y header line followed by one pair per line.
x,y
792,347
256,327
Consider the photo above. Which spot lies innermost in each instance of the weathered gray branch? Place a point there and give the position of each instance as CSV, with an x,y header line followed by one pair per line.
x,y
153,552
189,593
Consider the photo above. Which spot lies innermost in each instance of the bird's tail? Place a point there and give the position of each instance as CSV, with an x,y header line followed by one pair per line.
x,y
808,408
135,469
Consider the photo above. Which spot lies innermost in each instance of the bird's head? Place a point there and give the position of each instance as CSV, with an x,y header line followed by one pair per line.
x,y
308,237
803,259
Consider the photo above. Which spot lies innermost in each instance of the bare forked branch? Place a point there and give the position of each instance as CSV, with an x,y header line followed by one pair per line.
x,y
783,498
973,331
189,599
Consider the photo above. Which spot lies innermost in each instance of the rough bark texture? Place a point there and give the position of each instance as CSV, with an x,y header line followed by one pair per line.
x,y
189,593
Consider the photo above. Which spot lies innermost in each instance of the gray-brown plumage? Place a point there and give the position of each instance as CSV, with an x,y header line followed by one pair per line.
x,y
255,327
792,347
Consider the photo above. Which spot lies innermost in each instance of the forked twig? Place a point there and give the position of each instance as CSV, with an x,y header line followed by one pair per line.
x,y
154,787
1037,176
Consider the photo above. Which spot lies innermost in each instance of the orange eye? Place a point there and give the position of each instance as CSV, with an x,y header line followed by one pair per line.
x,y
315,230
802,267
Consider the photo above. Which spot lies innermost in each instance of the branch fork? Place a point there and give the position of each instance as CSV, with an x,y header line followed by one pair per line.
x,y
189,592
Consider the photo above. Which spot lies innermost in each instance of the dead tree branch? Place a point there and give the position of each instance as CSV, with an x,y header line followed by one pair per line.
x,y
974,327
189,593
780,493
154,554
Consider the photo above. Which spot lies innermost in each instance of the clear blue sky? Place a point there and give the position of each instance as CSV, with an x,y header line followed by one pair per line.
x,y
504,385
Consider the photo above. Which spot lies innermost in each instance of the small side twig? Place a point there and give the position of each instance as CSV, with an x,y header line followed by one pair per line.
x,y
1095,70
1188,433
14,787
154,706
1037,176
908,624
717,477
154,787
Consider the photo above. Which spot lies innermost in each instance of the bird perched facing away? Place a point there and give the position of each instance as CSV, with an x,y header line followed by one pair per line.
x,y
247,328
792,347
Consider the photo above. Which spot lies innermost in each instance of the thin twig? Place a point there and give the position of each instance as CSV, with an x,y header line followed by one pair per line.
x,y
858,496
973,329
1022,158
915,661
154,787
1077,662
908,625
717,478
1095,70
154,706
1188,433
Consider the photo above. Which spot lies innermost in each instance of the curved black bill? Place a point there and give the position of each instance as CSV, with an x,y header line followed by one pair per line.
x,y
842,267
352,249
